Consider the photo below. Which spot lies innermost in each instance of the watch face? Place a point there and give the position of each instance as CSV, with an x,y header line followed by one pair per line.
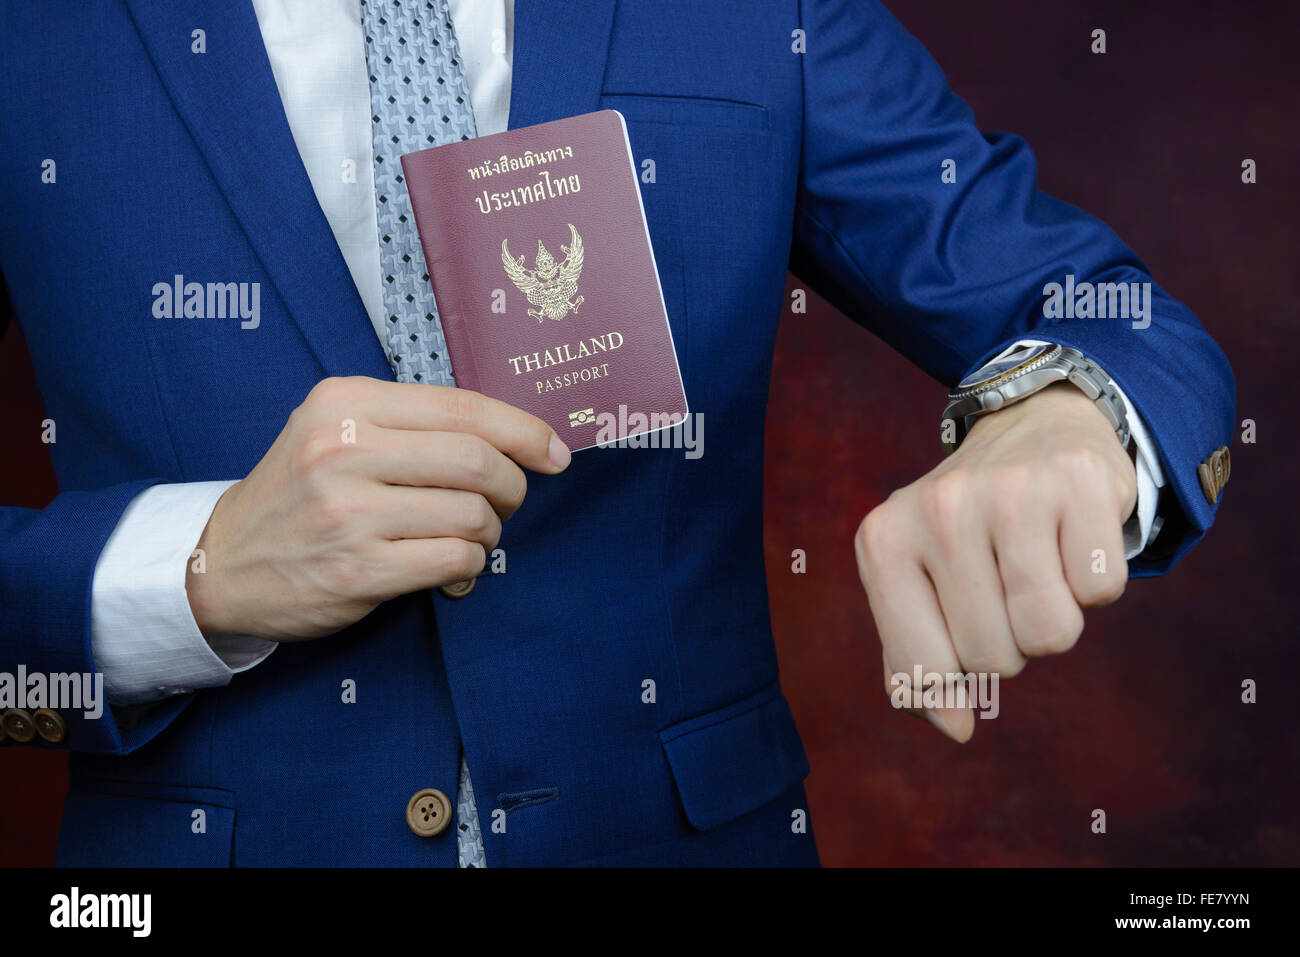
x,y
1005,365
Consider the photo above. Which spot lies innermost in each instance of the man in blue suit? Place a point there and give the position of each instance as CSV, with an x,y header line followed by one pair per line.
x,y
319,651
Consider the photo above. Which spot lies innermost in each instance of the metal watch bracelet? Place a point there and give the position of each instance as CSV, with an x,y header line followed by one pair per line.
x,y
1059,364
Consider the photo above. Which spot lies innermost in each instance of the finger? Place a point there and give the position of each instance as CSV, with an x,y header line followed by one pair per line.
x,y
912,628
402,512
408,405
455,460
1092,551
964,569
899,685
1045,618
414,564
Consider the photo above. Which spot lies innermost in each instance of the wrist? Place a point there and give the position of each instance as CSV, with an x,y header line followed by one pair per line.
x,y
1059,407
1062,401
203,580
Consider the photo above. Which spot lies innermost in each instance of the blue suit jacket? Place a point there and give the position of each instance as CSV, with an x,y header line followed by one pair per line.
x,y
632,565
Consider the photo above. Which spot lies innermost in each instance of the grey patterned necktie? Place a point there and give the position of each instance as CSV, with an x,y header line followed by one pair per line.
x,y
418,99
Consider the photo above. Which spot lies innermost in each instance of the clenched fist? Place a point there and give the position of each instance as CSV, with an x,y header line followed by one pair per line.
x,y
372,490
989,559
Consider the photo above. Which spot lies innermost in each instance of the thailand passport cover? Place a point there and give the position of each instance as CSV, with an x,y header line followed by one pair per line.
x,y
537,248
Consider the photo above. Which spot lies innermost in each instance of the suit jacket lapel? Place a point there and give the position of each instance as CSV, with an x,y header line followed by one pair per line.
x,y
228,98
229,101
559,58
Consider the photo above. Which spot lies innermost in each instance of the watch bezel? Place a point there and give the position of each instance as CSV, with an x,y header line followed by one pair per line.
x,y
1045,353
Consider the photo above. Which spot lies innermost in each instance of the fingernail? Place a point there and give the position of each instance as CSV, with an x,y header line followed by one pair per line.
x,y
560,454
939,722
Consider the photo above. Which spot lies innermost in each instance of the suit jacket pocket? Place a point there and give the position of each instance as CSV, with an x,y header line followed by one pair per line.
x,y
686,110
103,829
734,760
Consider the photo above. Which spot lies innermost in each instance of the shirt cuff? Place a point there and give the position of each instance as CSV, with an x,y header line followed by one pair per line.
x,y
1144,524
143,634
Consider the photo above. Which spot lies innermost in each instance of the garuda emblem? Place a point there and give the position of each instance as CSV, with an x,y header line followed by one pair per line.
x,y
551,287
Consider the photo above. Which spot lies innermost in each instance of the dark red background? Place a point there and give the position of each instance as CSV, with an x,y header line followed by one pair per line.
x,y
1143,719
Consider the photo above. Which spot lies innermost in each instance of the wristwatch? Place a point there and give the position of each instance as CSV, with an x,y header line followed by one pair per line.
x,y
1021,374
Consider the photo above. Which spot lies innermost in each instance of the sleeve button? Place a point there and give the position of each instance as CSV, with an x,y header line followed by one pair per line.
x,y
18,725
50,725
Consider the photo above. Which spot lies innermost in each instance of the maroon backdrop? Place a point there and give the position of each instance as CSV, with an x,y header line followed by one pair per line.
x,y
1144,718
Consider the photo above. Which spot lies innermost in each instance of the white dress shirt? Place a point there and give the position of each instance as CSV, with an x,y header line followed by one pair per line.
x,y
143,635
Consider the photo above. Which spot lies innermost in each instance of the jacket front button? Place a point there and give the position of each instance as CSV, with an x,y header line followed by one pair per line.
x,y
18,725
457,589
428,813
50,725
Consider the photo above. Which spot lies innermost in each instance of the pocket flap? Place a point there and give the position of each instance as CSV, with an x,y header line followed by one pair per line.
x,y
729,762
117,830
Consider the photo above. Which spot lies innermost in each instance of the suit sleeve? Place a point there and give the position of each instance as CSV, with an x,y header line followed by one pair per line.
x,y
47,566
950,273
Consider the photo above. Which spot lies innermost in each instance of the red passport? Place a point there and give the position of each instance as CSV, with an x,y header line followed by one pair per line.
x,y
545,279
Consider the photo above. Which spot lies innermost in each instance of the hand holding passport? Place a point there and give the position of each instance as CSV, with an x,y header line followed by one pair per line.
x,y
545,280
